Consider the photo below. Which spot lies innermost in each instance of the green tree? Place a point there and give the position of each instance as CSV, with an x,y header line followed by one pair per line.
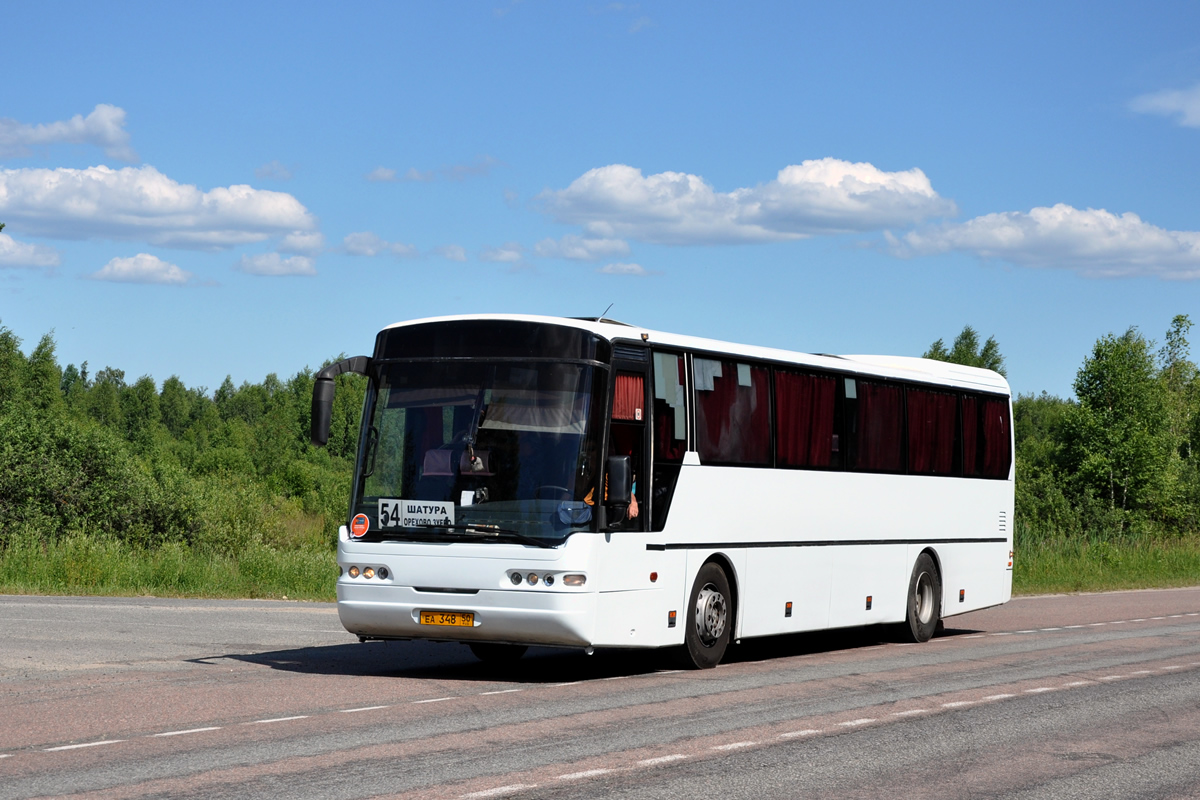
x,y
1117,439
967,351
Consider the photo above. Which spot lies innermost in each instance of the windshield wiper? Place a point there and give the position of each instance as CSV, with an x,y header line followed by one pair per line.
x,y
488,531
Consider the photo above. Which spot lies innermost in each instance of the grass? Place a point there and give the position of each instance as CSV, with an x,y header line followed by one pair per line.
x,y
86,565
1081,565
306,570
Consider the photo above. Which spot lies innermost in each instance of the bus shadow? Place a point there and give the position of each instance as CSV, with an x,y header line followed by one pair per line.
x,y
448,661
815,642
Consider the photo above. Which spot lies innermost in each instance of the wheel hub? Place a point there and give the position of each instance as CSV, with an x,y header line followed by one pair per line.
x,y
711,614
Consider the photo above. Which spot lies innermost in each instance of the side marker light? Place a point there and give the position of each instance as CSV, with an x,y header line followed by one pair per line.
x,y
868,602
369,572
787,609
962,595
670,619
653,577
353,572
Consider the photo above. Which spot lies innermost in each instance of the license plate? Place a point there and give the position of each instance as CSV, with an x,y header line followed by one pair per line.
x,y
461,619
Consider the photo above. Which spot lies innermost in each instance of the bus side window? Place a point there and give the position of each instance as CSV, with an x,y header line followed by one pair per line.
x,y
669,420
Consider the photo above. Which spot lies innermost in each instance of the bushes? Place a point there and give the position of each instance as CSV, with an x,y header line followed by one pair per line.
x,y
126,465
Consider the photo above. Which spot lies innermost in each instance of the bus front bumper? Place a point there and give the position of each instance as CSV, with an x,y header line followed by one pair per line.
x,y
520,617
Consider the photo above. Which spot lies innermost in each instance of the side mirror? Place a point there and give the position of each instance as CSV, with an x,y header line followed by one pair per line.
x,y
619,486
322,401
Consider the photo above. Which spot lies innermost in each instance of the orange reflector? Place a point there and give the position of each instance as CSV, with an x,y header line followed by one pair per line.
x,y
670,619
868,602
787,609
962,595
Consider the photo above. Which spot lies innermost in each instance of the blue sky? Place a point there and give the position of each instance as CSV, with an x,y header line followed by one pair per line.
x,y
251,188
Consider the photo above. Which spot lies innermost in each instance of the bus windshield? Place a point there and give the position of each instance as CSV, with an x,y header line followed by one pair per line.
x,y
480,449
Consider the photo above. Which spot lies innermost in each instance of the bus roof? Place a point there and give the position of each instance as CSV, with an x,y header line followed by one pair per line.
x,y
900,367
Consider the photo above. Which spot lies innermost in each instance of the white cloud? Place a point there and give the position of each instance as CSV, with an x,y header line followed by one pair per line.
x,y
1181,103
824,196
104,128
623,269
451,252
23,254
415,175
579,248
273,170
142,203
303,243
142,268
381,175
508,253
273,264
365,243
1092,242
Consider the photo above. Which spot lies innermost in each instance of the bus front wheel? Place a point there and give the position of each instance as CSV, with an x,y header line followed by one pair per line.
x,y
924,600
709,622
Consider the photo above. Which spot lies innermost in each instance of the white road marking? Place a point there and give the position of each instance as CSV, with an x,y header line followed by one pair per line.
x,y
5,755
1039,690
1137,620
854,722
1174,666
276,719
77,746
1140,672
431,700
499,790
1158,618
648,762
1001,633
1076,683
999,696
1050,629
1118,622
1175,616
668,671
568,683
190,730
974,636
364,708
500,691
910,712
1026,631
591,773
959,703
734,746
794,734
1072,626
1112,677
1097,624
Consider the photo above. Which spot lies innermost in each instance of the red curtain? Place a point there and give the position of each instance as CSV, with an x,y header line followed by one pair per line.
x,y
880,423
804,407
932,421
628,397
996,438
970,433
733,421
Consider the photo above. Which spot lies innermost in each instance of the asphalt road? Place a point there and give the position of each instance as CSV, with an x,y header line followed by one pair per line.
x,y
1051,697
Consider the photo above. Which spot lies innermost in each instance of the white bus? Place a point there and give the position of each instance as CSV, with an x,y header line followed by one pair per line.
x,y
585,483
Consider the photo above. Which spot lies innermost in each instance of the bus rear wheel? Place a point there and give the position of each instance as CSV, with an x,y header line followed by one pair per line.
x,y
924,600
490,653
709,622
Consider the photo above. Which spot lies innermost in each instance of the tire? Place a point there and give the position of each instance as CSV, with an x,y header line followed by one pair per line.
x,y
709,622
490,653
924,600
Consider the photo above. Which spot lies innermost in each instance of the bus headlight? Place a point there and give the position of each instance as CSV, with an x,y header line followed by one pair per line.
x,y
532,578
353,572
574,580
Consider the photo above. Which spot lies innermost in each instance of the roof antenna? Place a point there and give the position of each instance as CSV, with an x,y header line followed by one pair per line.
x,y
601,317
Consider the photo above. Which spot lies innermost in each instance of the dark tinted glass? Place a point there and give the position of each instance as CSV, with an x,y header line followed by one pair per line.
x,y
491,339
